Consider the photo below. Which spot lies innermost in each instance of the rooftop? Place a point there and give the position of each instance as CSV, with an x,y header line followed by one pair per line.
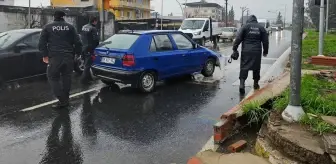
x,y
202,3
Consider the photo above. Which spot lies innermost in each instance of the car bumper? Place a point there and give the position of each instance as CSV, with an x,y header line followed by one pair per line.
x,y
226,37
125,77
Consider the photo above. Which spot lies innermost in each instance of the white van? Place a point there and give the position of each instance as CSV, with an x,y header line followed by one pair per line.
x,y
199,29
265,23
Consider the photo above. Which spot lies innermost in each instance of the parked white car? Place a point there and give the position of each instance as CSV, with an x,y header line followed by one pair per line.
x,y
228,33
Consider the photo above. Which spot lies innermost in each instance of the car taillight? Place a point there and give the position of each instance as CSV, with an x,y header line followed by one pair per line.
x,y
128,60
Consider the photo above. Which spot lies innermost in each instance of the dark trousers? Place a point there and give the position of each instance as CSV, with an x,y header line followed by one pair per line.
x,y
59,74
86,75
244,74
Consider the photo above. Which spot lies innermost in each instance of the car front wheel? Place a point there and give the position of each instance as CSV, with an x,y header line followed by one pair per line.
x,y
147,82
209,68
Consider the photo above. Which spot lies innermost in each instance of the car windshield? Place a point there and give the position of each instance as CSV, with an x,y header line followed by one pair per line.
x,y
120,41
9,37
262,24
192,24
228,29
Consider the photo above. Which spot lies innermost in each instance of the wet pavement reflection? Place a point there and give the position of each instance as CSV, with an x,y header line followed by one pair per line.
x,y
117,124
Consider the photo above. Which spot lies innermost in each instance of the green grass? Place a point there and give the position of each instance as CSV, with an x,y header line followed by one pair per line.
x,y
255,112
310,47
318,97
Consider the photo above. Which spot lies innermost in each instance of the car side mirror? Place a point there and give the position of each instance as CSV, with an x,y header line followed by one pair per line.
x,y
20,46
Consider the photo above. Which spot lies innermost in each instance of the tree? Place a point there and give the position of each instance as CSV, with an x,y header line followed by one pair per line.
x,y
231,15
279,19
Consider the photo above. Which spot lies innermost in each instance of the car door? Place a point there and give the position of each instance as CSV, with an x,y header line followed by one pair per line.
x,y
10,65
164,57
191,57
31,56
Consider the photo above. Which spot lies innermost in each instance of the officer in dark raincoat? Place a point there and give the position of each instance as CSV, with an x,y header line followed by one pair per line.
x,y
59,42
254,38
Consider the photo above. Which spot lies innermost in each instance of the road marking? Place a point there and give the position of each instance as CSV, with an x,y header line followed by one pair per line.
x,y
55,101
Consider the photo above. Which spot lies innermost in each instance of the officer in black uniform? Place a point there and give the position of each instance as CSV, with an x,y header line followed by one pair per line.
x,y
254,39
59,42
90,41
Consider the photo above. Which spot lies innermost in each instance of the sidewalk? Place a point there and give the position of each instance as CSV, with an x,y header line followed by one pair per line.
x,y
210,157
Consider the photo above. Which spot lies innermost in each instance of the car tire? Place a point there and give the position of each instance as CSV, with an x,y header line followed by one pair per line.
x,y
209,67
79,64
147,82
107,82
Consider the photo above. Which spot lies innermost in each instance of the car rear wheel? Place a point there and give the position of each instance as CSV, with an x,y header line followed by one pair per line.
x,y
147,82
79,64
108,82
209,68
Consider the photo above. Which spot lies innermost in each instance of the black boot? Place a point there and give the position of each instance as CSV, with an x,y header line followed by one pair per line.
x,y
242,87
256,85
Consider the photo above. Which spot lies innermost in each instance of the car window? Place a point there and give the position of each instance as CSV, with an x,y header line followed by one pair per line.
x,y
163,43
120,41
182,42
152,46
9,37
32,40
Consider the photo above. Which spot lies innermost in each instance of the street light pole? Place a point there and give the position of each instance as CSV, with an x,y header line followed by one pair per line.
x,y
243,10
29,14
294,110
284,22
161,12
321,29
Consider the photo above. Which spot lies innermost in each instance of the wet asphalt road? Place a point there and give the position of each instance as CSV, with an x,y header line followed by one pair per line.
x,y
117,124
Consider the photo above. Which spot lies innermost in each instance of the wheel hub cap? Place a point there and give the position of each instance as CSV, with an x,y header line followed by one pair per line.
x,y
147,81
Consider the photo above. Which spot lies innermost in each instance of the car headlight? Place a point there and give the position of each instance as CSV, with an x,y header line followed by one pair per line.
x,y
197,33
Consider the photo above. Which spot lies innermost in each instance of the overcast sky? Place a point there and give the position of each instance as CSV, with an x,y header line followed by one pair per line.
x,y
258,7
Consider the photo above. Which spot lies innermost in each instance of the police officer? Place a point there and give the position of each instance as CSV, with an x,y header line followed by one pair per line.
x,y
90,41
254,38
59,42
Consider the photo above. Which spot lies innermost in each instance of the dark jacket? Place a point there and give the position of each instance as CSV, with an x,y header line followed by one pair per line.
x,y
59,38
89,36
254,38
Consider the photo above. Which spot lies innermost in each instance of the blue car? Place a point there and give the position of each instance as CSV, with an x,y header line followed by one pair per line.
x,y
143,58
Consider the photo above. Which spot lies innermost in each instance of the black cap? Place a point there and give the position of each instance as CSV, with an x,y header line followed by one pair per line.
x,y
59,14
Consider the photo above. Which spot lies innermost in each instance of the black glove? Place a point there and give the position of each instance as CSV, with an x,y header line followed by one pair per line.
x,y
235,55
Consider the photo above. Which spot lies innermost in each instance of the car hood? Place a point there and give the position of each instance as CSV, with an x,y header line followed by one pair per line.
x,y
190,30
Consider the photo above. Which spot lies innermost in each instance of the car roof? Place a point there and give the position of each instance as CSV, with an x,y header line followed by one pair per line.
x,y
26,31
153,32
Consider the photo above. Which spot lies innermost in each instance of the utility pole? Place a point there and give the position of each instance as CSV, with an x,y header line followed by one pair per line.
x,y
226,13
321,29
327,18
247,12
29,14
294,110
161,12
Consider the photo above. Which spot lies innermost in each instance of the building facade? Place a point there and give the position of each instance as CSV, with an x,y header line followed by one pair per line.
x,y
131,9
204,10
122,9
7,2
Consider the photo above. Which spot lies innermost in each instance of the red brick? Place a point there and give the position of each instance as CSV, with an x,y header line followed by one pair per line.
x,y
194,160
238,146
323,60
223,129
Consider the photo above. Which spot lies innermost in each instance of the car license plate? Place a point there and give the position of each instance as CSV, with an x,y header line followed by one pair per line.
x,y
108,60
